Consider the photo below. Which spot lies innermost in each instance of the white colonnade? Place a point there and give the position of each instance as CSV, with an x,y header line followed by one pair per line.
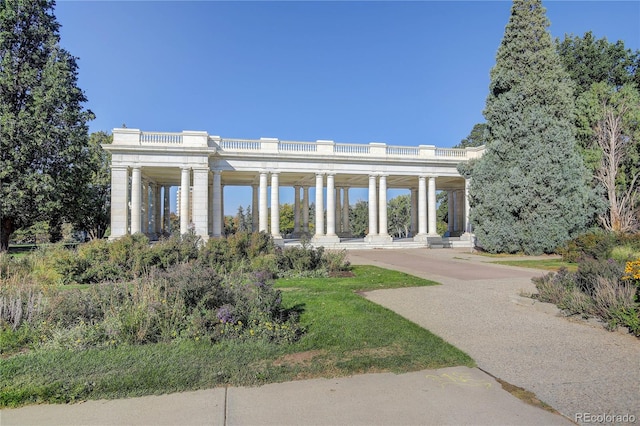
x,y
145,166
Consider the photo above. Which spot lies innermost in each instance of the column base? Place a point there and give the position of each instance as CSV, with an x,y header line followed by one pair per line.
x,y
422,238
278,240
378,239
300,234
325,239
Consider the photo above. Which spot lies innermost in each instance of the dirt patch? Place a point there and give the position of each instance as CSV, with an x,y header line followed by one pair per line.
x,y
298,358
523,394
382,352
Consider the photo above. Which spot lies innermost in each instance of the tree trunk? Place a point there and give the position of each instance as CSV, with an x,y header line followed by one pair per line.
x,y
6,228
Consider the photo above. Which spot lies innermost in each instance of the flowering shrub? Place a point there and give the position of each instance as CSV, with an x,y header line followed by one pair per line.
x,y
632,271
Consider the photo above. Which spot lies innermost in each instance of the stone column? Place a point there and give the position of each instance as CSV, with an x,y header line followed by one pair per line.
x,y
432,207
382,206
185,184
136,200
451,213
346,229
254,208
319,205
200,202
222,207
422,209
305,210
414,212
296,210
210,204
119,201
145,208
331,206
338,210
217,204
458,217
157,210
264,210
166,205
467,209
275,207
373,207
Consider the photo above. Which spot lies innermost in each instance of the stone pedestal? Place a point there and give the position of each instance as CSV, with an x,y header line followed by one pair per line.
x,y
325,239
378,239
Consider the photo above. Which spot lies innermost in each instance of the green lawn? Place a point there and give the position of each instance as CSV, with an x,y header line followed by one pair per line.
x,y
345,334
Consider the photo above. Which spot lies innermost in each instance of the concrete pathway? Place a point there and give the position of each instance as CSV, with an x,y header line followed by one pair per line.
x,y
450,396
578,368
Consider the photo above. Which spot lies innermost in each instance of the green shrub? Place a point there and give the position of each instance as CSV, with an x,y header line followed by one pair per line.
x,y
335,261
267,263
260,243
217,255
596,244
625,253
125,254
615,302
301,259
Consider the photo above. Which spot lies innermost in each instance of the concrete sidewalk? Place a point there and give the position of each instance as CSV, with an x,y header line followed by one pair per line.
x,y
577,367
450,396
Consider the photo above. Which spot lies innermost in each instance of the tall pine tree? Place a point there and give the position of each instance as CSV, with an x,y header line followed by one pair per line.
x,y
43,131
529,192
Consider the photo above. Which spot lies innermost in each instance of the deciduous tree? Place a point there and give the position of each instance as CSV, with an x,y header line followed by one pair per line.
x,y
94,211
612,120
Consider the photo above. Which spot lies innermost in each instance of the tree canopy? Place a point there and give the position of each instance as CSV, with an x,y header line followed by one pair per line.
x,y
529,192
43,137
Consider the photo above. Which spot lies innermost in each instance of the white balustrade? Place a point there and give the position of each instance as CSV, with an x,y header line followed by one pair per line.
x,y
240,145
351,149
288,146
129,136
451,152
404,151
161,138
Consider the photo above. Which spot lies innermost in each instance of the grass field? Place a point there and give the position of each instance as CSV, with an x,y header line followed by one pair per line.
x,y
345,334
546,264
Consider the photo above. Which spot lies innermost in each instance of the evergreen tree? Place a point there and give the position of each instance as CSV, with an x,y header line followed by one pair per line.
x,y
529,192
43,133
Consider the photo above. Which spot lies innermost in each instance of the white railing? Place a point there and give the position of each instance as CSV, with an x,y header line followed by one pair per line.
x,y
240,145
273,146
161,138
451,152
405,151
351,149
288,146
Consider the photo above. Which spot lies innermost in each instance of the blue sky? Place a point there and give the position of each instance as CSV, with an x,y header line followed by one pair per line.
x,y
404,73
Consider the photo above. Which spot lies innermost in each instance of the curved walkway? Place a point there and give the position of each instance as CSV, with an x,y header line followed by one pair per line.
x,y
578,368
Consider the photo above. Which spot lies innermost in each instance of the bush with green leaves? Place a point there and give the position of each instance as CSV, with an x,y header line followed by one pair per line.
x,y
596,244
